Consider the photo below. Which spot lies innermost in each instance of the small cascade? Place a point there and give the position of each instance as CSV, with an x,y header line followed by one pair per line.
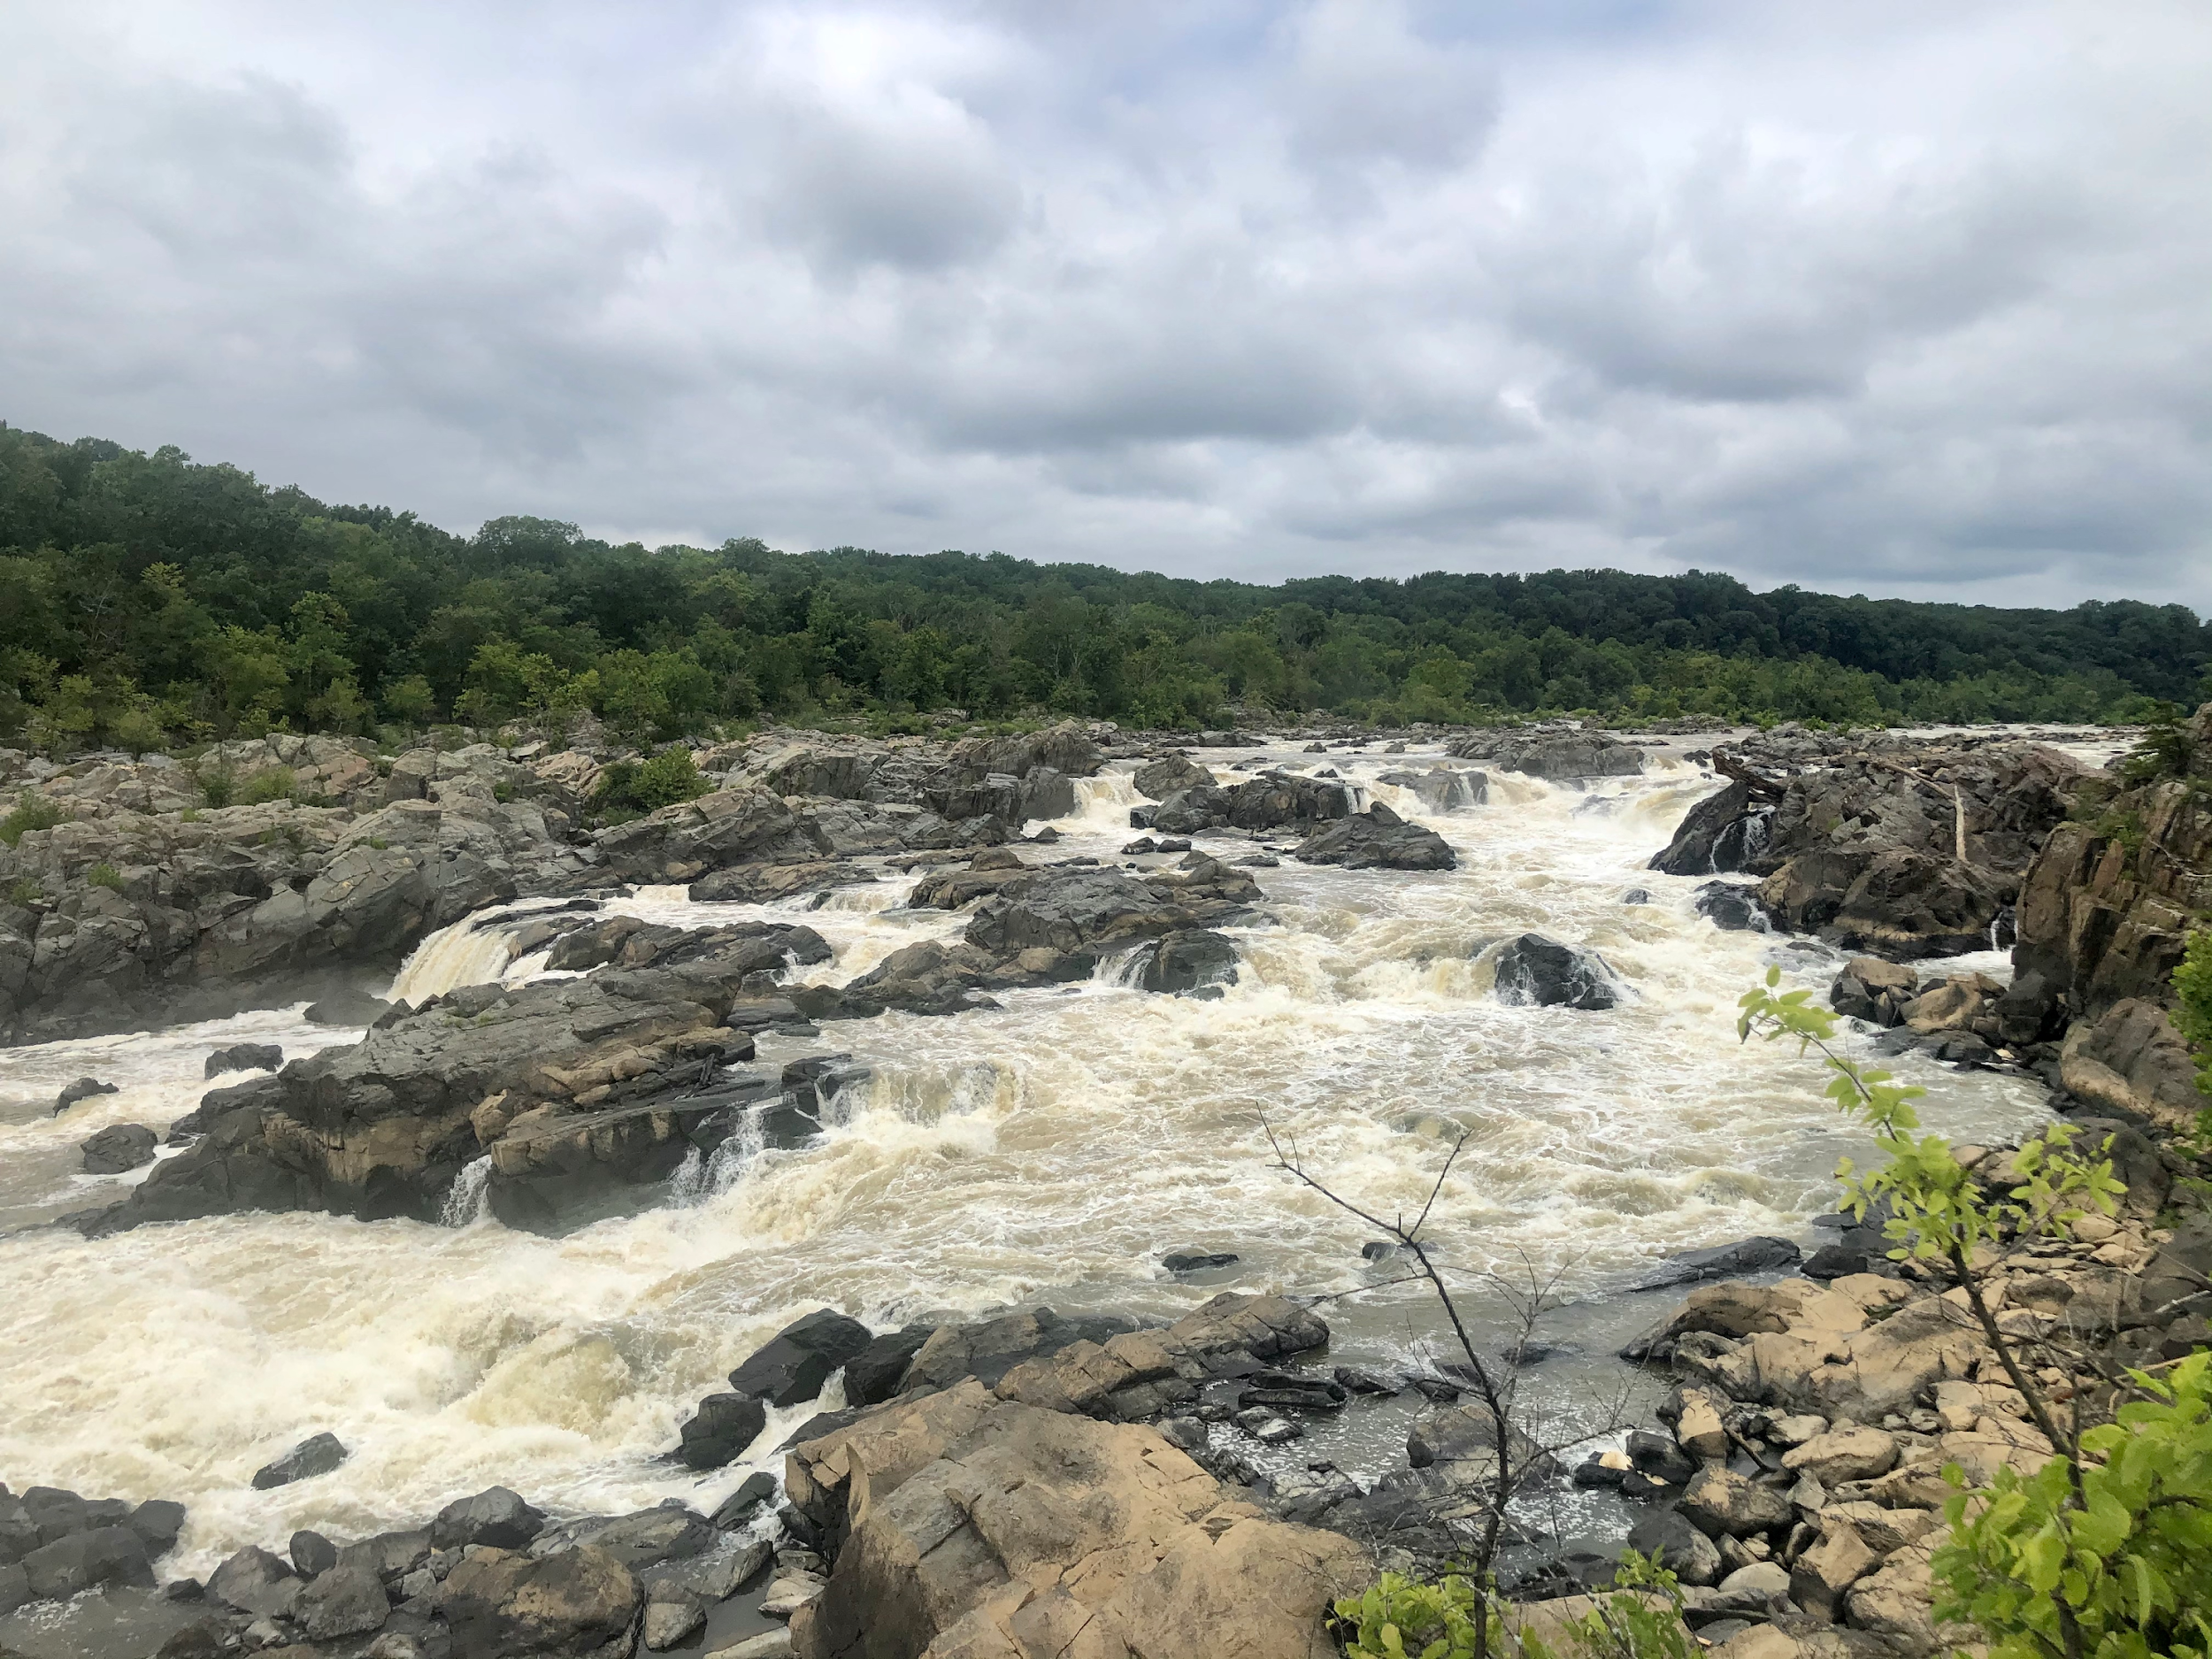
x,y
1103,802
732,1157
689,1185
460,954
467,1200
2004,929
1125,972
1741,841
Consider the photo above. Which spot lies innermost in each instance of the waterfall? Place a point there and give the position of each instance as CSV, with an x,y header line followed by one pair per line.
x,y
460,954
1126,971
689,1185
465,1201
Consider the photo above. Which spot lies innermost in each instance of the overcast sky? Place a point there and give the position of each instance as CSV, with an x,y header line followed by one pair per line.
x,y
1899,299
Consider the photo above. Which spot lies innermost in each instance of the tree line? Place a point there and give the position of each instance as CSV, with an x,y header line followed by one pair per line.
x,y
149,601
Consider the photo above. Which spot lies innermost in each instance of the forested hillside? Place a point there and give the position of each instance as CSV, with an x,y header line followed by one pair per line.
x,y
146,600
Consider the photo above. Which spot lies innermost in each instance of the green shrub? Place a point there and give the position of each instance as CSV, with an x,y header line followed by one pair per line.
x,y
1404,1618
627,788
270,783
105,876
219,787
32,812
2119,1546
23,893
2164,750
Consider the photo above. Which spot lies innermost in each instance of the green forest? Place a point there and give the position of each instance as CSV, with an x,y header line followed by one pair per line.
x,y
149,602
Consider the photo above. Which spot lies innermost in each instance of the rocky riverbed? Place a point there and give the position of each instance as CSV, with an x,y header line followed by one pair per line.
x,y
948,1064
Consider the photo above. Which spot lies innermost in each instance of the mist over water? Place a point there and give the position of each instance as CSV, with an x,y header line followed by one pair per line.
x,y
1049,1151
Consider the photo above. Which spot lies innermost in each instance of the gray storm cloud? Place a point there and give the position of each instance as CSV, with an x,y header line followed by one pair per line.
x,y
1884,298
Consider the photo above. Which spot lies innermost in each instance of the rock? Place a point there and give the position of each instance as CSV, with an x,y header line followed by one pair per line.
x,y
645,1538
1536,971
83,1088
1570,758
577,1602
988,1349
1897,902
118,1147
1895,1604
1821,1576
254,1581
724,1425
1721,1503
1680,1546
342,1601
1464,1437
795,1364
1657,1456
1845,1454
771,1644
1266,1427
1760,1579
1796,1430
1724,832
982,1515
391,1557
1194,1259
669,1623
1732,907
1377,838
1873,990
1699,1430
495,1517
1442,790
735,1510
245,1056
1161,778
15,1587
317,1455
158,1521
1291,1391
84,1561
1759,1254
312,1552
1188,959
873,1375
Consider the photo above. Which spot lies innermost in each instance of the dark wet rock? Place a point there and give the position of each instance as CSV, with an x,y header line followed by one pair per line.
x,y
390,1556
107,1555
254,1581
245,1056
1186,959
874,1374
118,1147
1161,778
1362,1382
1898,903
1377,838
1073,912
1463,1439
311,1554
1274,800
1193,1260
685,842
773,883
1758,1254
1732,907
1873,990
83,1088
1566,757
1293,1391
1680,1547
741,1505
1722,832
342,1601
642,1539
792,1366
1536,971
740,948
989,873
317,1455
347,1007
15,1587
1444,789
1722,1504
577,1604
1636,895
574,1087
1657,1456
158,1521
495,1516
722,1426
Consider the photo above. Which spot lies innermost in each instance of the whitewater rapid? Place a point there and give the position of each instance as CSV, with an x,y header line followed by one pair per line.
x,y
1049,1151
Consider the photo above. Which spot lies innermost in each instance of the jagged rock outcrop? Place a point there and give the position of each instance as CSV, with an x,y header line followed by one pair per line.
x,y
1441,789
1569,757
1902,852
1161,778
1377,838
1274,800
568,1086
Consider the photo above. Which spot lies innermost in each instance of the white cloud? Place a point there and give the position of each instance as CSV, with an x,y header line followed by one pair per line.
x,y
1869,298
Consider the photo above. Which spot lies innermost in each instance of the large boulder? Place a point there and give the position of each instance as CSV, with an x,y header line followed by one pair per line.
x,y
1377,838
86,1561
1161,778
116,1148
1568,757
1724,832
1442,790
792,1366
989,1527
580,1604
684,841
1533,971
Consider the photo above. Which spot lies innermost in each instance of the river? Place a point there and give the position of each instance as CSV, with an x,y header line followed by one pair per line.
x,y
1048,1152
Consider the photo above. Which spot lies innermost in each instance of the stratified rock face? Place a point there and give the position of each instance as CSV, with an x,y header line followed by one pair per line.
x,y
994,1526
1533,971
1565,757
569,1086
1377,838
1865,851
